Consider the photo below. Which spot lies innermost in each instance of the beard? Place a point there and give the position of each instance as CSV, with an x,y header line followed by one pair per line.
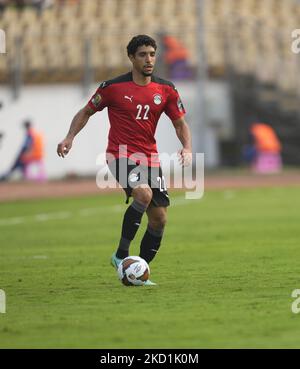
x,y
147,74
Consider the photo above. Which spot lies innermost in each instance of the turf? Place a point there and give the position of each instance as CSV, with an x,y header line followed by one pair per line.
x,y
225,274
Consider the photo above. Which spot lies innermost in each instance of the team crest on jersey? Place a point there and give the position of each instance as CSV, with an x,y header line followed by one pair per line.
x,y
157,99
180,105
96,100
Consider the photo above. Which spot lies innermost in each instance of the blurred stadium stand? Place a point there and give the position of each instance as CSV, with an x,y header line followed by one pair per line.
x,y
247,44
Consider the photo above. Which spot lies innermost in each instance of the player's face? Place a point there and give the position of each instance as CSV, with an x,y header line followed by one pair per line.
x,y
144,60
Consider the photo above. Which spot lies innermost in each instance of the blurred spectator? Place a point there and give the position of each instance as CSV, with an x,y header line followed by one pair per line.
x,y
264,149
177,58
31,155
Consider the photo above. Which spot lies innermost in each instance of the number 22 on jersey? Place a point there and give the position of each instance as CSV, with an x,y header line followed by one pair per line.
x,y
142,112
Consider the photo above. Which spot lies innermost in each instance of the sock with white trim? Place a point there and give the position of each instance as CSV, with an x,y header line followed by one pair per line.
x,y
131,222
150,243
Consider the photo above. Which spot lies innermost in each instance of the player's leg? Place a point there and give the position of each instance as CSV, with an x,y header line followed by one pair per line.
x,y
142,196
157,218
157,215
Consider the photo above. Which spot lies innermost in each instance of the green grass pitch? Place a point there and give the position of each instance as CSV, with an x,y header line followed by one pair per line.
x,y
225,274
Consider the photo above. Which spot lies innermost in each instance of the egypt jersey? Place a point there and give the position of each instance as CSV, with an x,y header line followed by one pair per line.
x,y
133,112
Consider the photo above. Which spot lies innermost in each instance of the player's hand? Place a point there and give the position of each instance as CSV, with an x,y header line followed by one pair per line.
x,y
185,157
64,147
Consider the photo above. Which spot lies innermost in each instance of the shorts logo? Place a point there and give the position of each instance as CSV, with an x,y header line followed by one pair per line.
x,y
133,177
96,100
157,99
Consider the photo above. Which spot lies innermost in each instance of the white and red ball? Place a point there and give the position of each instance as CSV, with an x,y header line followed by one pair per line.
x,y
133,271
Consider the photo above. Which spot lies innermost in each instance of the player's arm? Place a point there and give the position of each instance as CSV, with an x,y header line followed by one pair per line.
x,y
184,134
78,122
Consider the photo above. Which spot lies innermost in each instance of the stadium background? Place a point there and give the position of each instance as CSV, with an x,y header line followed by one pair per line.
x,y
240,69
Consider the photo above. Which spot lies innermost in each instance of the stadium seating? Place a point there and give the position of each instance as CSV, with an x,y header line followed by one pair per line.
x,y
246,42
240,34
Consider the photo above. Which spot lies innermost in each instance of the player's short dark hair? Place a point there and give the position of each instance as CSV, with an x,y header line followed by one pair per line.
x,y
140,40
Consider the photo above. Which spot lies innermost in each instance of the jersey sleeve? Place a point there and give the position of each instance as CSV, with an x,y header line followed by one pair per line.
x,y
100,99
174,107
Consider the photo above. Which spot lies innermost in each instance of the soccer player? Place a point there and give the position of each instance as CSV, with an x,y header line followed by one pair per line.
x,y
135,102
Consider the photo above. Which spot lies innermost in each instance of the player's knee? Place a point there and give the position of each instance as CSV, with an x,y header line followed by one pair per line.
x,y
142,195
158,222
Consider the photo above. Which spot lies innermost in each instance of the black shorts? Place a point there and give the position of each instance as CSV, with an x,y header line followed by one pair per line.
x,y
130,174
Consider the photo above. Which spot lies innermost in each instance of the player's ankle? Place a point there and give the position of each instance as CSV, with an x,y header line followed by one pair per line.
x,y
122,254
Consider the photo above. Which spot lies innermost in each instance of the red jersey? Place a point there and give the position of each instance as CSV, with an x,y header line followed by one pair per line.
x,y
133,112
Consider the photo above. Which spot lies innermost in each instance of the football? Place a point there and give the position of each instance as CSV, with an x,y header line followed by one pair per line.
x,y
133,271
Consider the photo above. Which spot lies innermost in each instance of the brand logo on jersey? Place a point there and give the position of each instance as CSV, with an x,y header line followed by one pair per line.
x,y
157,99
180,105
96,99
128,98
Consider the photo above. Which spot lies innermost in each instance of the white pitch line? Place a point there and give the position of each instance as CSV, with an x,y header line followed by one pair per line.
x,y
88,212
117,208
48,216
11,221
40,257
44,217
